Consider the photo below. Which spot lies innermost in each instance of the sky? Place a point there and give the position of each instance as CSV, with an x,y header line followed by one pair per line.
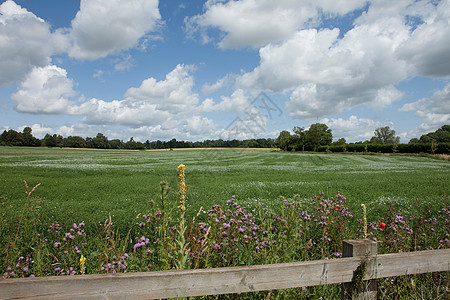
x,y
218,69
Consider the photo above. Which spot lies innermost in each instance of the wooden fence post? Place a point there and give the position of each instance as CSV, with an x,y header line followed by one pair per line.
x,y
358,288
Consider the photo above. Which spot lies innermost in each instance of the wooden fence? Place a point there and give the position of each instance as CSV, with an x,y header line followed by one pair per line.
x,y
185,283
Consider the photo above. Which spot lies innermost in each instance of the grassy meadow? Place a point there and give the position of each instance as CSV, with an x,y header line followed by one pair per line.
x,y
87,185
227,207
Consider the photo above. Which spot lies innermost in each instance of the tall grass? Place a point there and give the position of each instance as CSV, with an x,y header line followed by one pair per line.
x,y
86,185
164,237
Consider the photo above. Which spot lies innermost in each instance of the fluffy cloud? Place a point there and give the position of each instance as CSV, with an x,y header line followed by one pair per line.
x,y
353,129
256,23
46,90
435,110
173,94
102,27
149,104
123,112
192,128
237,103
428,48
211,88
38,130
326,73
26,41
199,127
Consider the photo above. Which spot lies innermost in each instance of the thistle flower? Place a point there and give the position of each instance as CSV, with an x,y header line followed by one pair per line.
x,y
364,217
82,264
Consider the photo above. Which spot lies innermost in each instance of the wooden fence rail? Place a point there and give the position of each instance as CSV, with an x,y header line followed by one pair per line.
x,y
185,283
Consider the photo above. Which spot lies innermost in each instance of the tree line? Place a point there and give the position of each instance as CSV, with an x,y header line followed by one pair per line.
x,y
100,141
317,138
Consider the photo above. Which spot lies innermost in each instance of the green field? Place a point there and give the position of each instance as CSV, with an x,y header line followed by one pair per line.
x,y
87,185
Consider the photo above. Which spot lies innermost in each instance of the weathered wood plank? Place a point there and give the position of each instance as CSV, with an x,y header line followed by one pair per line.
x,y
171,284
367,290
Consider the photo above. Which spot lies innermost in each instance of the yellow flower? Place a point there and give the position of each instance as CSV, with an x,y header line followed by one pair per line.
x,y
82,264
364,216
181,187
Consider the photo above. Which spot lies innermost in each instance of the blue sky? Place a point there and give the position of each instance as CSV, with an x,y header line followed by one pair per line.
x,y
196,70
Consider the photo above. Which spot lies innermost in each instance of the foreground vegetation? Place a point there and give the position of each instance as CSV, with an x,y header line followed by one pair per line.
x,y
166,238
92,212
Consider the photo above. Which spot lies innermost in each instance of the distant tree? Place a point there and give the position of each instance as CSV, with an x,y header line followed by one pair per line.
x,y
384,135
49,140
11,138
414,141
300,138
318,135
100,141
442,135
116,144
285,141
159,145
131,144
28,139
340,142
59,140
74,142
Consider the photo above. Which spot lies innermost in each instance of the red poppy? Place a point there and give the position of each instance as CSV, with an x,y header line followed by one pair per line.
x,y
336,208
382,225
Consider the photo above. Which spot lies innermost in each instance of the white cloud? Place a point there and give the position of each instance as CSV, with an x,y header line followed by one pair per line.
x,y
85,130
38,130
435,111
124,64
121,112
328,74
385,97
353,129
237,103
46,90
199,126
256,23
174,94
103,27
211,88
428,48
26,41
193,128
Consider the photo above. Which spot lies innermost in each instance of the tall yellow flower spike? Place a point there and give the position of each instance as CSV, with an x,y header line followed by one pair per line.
x,y
82,264
181,187
364,216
